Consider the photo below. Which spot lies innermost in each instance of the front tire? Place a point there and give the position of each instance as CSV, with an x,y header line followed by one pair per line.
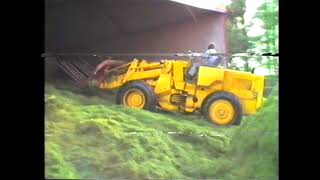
x,y
223,109
137,95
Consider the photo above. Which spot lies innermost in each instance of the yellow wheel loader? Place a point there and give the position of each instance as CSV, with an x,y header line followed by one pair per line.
x,y
223,96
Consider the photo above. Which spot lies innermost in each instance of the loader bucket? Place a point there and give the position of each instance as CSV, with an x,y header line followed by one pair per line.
x,y
104,69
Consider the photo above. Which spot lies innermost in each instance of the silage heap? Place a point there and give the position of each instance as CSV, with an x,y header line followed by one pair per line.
x,y
91,137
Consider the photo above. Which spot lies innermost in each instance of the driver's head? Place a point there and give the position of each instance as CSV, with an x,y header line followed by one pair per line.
x,y
211,46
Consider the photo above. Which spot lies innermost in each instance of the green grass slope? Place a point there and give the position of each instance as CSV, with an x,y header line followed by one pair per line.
x,y
91,137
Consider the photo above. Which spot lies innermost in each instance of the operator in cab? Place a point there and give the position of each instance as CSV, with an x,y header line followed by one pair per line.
x,y
210,59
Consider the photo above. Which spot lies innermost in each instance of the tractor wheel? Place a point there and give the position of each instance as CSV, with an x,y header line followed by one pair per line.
x,y
223,109
137,95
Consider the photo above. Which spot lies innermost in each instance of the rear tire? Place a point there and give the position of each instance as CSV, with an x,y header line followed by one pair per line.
x,y
223,109
137,95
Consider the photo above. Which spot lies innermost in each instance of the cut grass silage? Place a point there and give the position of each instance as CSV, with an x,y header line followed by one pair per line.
x,y
91,137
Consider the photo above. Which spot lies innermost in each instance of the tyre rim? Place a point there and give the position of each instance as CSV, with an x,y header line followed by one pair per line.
x,y
222,112
134,98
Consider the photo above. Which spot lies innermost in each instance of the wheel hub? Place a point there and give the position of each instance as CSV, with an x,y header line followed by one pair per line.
x,y
222,112
134,98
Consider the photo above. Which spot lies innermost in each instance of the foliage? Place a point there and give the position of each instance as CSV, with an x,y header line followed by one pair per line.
x,y
240,42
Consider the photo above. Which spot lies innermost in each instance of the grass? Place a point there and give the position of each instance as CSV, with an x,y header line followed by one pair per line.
x,y
88,136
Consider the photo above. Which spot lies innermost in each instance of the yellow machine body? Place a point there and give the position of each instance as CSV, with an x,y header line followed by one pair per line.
x,y
173,92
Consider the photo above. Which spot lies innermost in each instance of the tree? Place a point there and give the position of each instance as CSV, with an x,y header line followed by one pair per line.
x,y
268,13
238,39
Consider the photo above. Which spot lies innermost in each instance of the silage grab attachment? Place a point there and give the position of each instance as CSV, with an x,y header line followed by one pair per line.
x,y
82,69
